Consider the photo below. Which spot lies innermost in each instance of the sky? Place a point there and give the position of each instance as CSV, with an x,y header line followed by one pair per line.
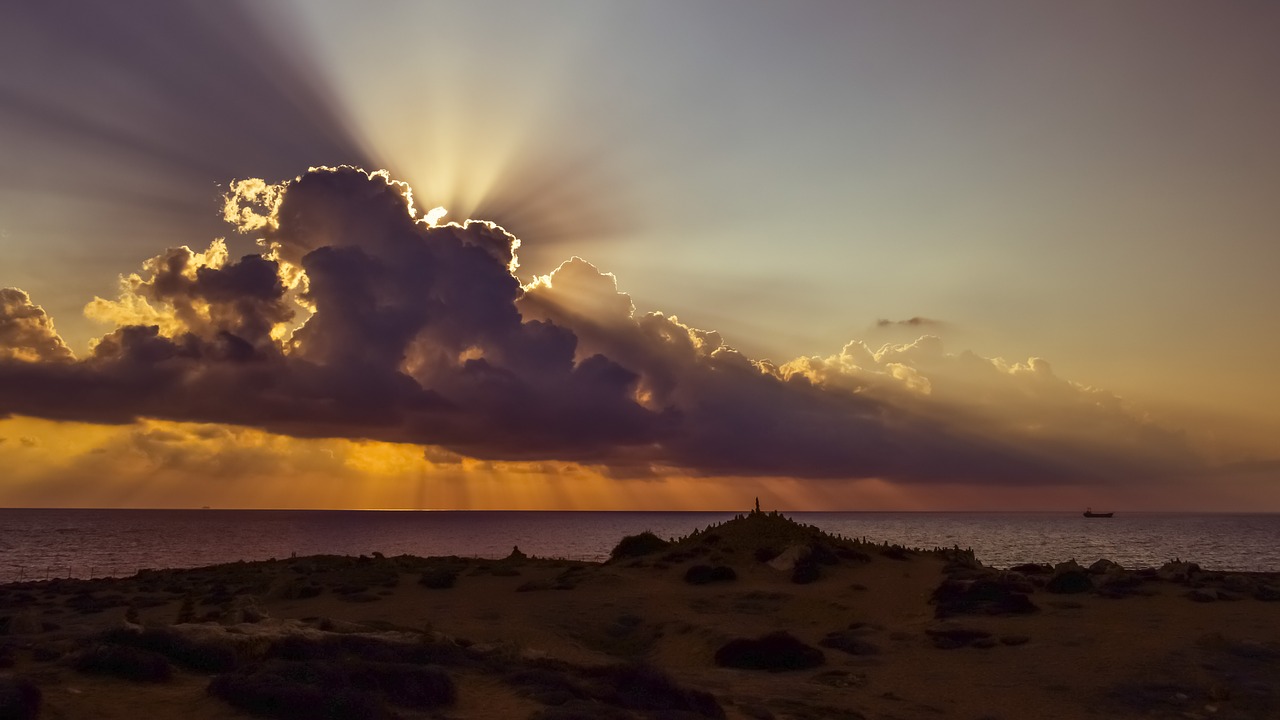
x,y
845,255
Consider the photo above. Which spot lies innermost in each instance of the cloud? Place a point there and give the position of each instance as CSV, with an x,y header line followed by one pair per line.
x,y
359,319
26,332
916,322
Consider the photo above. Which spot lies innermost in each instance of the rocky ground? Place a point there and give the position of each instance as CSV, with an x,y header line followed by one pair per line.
x,y
759,617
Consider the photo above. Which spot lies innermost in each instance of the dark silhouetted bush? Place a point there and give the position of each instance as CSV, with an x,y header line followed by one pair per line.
x,y
201,655
979,597
329,689
765,554
774,652
341,648
413,686
271,696
125,662
19,698
646,543
822,554
705,574
642,687
805,572
441,578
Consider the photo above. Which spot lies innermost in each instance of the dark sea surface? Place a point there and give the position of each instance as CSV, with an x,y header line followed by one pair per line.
x,y
35,544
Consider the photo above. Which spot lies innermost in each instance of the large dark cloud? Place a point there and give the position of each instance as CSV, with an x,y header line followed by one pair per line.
x,y
409,332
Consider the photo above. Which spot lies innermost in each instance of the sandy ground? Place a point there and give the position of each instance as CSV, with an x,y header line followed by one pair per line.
x,y
1149,651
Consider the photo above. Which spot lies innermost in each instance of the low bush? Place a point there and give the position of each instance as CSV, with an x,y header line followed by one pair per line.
x,y
126,662
200,655
806,572
273,697
334,689
643,687
19,698
441,578
773,652
706,574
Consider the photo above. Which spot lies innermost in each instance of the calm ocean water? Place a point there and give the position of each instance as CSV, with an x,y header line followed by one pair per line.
x,y
35,544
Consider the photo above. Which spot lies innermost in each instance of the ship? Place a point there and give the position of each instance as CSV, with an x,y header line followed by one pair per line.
x,y
1088,512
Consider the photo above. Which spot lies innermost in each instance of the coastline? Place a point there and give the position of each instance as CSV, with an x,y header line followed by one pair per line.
x,y
897,632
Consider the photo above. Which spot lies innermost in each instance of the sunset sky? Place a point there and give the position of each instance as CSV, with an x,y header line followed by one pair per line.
x,y
837,255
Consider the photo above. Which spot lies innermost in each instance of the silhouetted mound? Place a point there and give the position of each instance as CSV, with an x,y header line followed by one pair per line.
x,y
348,647
774,652
632,546
125,662
641,687
323,689
706,574
201,655
20,698
1069,582
609,692
805,573
441,578
979,597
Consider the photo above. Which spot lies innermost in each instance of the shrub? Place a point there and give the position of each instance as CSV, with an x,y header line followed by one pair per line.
x,y
200,655
765,554
334,689
774,652
125,662
441,578
19,698
705,574
630,546
805,572
642,687
271,696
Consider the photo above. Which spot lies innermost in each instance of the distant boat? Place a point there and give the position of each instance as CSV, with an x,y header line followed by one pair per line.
x,y
1088,512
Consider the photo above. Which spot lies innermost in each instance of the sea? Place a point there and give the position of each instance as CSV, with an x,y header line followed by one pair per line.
x,y
37,544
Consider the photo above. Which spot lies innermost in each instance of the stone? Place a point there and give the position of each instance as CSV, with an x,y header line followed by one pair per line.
x,y
1068,566
849,642
1069,582
1202,596
1104,565
1267,593
1178,571
788,559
